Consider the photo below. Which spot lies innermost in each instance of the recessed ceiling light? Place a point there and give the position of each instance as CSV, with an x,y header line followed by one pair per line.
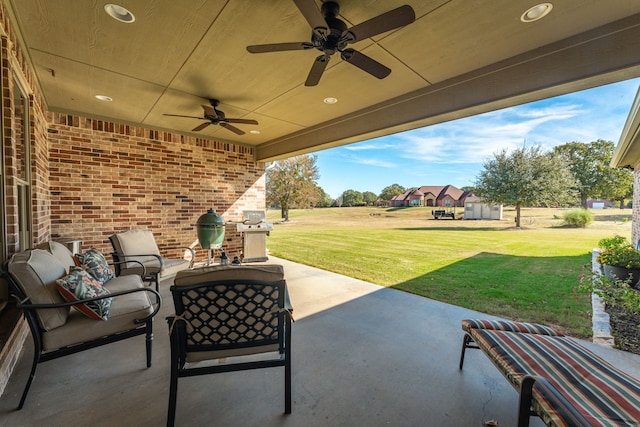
x,y
104,98
330,100
536,12
119,13
255,132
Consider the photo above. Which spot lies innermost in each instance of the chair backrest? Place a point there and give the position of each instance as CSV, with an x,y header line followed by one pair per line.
x,y
229,310
136,242
61,252
33,275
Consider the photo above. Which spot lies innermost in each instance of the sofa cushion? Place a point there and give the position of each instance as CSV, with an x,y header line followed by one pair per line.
x,y
124,283
78,285
35,272
124,310
61,252
96,264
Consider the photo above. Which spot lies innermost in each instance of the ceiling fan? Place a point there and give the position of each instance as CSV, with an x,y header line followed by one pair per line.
x,y
216,117
331,35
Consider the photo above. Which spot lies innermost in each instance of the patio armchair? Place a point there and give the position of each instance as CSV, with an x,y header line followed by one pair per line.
x,y
135,247
235,317
106,309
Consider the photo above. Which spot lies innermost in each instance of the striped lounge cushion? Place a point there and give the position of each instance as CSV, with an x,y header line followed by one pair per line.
x,y
604,395
507,325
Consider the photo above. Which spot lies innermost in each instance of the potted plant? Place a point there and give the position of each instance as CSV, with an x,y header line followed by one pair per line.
x,y
613,242
619,260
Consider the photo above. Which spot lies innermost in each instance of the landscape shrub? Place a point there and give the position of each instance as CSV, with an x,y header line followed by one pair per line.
x,y
613,242
578,218
613,291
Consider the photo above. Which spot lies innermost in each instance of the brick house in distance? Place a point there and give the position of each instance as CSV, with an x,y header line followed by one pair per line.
x,y
431,196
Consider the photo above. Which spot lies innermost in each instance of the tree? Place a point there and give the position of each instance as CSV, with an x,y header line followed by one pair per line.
x,y
369,198
291,183
618,185
391,191
469,188
323,200
352,198
589,165
526,177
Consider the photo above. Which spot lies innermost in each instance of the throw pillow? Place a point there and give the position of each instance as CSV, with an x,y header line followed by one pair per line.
x,y
78,285
96,264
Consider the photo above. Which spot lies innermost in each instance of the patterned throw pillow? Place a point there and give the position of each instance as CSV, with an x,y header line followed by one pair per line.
x,y
79,284
96,264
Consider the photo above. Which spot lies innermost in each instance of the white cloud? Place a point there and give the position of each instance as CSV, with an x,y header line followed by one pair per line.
x,y
475,139
373,162
368,146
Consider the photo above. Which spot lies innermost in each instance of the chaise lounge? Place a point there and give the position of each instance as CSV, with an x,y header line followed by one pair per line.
x,y
558,379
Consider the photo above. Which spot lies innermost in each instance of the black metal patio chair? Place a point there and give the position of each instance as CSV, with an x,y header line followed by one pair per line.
x,y
225,314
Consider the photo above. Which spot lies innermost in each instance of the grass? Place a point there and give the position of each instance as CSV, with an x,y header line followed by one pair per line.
x,y
527,274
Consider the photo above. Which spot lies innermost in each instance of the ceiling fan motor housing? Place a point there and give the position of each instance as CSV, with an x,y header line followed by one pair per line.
x,y
333,41
220,117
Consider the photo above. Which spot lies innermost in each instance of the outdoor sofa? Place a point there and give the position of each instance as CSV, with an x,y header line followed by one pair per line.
x,y
119,308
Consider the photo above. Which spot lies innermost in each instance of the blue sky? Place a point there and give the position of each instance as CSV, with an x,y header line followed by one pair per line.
x,y
454,152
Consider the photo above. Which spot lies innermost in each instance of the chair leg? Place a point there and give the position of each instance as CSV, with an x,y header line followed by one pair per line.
x,y
524,406
32,374
287,387
173,394
149,341
287,366
156,279
465,344
175,369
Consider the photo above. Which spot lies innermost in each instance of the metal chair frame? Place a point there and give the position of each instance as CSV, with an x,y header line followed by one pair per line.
x,y
195,329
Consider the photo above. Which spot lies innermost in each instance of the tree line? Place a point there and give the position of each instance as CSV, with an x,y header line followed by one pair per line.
x,y
567,175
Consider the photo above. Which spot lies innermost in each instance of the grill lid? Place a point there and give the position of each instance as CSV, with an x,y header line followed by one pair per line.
x,y
210,219
254,217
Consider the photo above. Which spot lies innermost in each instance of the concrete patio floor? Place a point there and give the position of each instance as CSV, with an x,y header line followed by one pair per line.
x,y
363,355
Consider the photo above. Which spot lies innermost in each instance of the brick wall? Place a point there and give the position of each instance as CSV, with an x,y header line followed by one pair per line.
x,y
90,178
107,177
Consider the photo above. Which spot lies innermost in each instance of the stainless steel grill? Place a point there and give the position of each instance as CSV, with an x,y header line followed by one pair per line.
x,y
255,230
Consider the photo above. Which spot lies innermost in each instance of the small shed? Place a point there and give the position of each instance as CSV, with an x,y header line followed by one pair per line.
x,y
474,208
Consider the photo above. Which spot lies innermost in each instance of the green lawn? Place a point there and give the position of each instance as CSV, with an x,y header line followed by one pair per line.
x,y
489,266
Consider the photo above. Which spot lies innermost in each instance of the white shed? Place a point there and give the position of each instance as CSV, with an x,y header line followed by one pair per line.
x,y
474,208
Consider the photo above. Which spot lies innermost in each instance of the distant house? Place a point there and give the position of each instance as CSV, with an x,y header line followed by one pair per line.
x,y
431,195
415,198
380,203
